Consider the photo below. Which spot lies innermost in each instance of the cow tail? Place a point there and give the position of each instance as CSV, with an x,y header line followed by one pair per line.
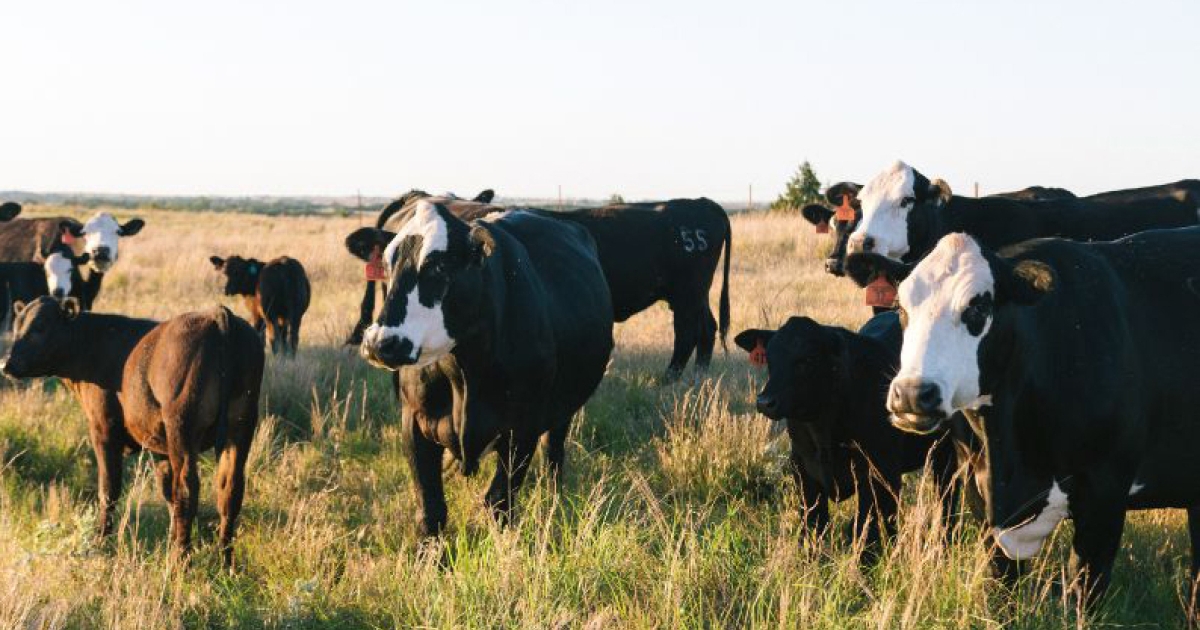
x,y
723,326
225,376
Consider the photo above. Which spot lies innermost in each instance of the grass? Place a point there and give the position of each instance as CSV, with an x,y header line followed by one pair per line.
x,y
676,510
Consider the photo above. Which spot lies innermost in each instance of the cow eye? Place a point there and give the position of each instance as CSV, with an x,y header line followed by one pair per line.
x,y
907,201
975,316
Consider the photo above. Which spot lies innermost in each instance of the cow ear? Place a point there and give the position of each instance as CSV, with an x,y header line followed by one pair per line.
x,y
9,210
940,192
749,339
363,241
816,214
82,259
71,307
74,228
863,268
218,263
1028,282
18,307
485,196
131,227
482,244
834,193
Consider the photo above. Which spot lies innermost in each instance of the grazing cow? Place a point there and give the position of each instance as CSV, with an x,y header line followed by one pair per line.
x,y
276,293
649,252
843,227
175,388
829,385
9,210
367,244
1075,365
904,214
498,330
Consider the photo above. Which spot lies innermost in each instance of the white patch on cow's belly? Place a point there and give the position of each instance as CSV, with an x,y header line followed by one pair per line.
x,y
1025,541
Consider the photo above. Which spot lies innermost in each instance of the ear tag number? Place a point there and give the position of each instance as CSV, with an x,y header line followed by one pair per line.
x,y
758,356
374,269
845,212
881,292
823,227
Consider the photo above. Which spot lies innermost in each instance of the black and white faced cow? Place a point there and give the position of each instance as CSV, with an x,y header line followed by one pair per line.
x,y
904,214
840,222
829,385
101,237
1075,364
58,276
499,330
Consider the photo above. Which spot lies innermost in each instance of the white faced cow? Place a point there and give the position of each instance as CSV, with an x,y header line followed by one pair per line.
x,y
101,237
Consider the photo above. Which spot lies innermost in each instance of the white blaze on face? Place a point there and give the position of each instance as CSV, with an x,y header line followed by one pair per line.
x,y
884,217
58,274
423,326
937,346
1025,541
102,230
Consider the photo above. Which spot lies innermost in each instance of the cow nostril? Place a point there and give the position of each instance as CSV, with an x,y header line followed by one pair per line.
x,y
929,397
868,244
766,404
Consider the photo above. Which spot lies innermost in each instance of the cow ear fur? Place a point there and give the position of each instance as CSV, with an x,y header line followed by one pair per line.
x,y
1029,281
940,191
748,339
217,262
482,244
18,307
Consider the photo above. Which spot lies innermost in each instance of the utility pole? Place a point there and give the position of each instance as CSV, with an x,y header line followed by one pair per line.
x,y
560,206
750,198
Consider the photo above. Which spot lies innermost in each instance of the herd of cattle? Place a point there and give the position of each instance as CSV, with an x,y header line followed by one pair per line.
x,y
1035,349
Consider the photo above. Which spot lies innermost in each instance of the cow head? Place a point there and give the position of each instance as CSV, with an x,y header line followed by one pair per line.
x,y
817,214
435,285
485,196
899,213
59,263
947,305
241,274
101,236
9,210
363,242
41,339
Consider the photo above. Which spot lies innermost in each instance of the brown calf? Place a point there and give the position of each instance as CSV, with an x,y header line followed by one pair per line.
x,y
276,293
175,388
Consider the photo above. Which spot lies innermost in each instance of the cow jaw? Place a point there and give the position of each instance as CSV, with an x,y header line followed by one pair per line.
x,y
939,348
58,275
885,212
1025,541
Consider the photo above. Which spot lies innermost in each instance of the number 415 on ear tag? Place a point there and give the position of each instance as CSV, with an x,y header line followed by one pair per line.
x,y
881,293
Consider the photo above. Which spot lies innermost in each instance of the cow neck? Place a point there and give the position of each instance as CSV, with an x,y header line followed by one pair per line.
x,y
89,286
100,346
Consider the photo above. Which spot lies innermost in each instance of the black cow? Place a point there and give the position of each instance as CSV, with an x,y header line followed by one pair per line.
x,y
57,276
499,330
649,252
829,384
905,213
1075,364
276,294
9,210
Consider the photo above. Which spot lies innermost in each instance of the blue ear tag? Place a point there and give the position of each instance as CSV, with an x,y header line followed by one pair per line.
x,y
253,269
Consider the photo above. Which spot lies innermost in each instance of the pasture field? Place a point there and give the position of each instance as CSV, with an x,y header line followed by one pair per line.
x,y
676,510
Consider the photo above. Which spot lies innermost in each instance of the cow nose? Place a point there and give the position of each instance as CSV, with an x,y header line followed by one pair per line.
x,y
59,294
916,405
101,254
854,244
767,405
390,350
833,266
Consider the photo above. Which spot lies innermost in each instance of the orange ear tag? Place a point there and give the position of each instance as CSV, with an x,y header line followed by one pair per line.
x,y
823,227
758,356
67,237
881,293
374,270
845,212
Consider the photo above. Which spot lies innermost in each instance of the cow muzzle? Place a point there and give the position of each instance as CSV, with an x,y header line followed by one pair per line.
x,y
916,405
860,244
388,351
833,266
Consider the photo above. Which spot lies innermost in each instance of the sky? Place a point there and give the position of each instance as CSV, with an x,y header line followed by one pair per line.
x,y
641,98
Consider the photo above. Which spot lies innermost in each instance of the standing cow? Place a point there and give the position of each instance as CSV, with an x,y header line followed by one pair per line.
x,y
1075,364
175,388
498,330
276,294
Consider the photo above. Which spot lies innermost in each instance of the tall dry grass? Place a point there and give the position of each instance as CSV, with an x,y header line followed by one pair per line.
x,y
676,510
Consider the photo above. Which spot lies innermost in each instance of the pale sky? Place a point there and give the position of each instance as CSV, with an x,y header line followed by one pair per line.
x,y
647,99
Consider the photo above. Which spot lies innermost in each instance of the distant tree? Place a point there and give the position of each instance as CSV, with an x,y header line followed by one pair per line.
x,y
616,198
802,189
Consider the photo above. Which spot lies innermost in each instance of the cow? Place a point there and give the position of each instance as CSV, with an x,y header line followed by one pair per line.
x,y
367,244
649,252
1074,363
9,210
26,240
174,388
57,276
497,332
904,214
276,294
829,385
842,227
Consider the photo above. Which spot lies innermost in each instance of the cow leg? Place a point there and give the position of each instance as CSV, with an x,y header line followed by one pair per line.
x,y
294,336
686,326
876,516
185,492
814,506
425,460
272,335
110,453
514,453
1097,539
706,338
556,450
1194,575
162,470
944,463
230,479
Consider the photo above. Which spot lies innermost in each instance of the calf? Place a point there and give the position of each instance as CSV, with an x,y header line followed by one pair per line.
x,y
58,276
498,331
175,388
829,385
276,293
1075,364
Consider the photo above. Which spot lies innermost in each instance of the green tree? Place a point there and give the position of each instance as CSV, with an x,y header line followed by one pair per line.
x,y
616,198
802,189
